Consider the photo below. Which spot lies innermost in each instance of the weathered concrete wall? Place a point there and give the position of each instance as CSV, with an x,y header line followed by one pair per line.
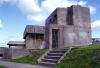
x,y
52,18
60,37
73,24
16,53
7,54
31,29
62,16
81,16
10,53
34,36
76,36
33,43
70,36
46,37
29,43
20,47
1,50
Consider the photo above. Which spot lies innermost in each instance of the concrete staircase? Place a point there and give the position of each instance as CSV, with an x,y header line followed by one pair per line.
x,y
52,57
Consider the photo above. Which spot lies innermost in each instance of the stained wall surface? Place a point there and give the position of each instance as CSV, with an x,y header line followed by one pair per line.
x,y
34,36
10,53
73,24
32,43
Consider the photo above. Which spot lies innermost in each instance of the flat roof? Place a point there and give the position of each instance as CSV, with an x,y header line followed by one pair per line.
x,y
16,43
32,29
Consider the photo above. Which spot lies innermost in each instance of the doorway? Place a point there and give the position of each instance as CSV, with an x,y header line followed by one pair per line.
x,y
55,35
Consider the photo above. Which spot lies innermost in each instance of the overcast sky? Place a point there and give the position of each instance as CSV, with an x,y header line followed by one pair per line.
x,y
16,14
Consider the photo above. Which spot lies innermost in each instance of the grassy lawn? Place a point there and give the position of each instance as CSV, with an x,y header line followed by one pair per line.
x,y
82,57
2,67
29,59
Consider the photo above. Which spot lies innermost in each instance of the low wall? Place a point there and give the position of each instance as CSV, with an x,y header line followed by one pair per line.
x,y
9,53
2,50
16,53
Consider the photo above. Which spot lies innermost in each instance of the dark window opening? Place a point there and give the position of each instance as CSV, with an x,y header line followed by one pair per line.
x,y
55,17
1,55
36,36
70,17
50,21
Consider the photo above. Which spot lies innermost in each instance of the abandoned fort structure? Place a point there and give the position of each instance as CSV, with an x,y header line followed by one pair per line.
x,y
64,27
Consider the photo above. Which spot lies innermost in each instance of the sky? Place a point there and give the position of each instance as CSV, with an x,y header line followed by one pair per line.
x,y
16,14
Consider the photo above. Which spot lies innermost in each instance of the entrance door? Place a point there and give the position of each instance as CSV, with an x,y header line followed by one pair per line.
x,y
55,38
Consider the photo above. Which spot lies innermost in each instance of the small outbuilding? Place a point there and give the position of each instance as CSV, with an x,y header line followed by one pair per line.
x,y
16,44
34,36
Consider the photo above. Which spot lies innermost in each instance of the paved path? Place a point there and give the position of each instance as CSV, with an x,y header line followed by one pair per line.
x,y
19,65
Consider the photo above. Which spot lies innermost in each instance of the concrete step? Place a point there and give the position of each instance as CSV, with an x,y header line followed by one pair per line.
x,y
52,57
50,60
47,64
55,54
58,51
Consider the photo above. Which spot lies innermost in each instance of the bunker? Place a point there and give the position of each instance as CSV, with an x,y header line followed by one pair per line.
x,y
64,27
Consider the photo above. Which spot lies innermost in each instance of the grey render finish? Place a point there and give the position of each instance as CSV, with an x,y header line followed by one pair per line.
x,y
73,24
31,29
18,44
12,53
34,36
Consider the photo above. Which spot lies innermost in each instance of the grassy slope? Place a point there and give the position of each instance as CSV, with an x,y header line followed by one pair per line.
x,y
29,59
2,67
82,57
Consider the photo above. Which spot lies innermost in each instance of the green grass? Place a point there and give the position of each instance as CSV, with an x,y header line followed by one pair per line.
x,y
3,47
2,67
29,59
82,57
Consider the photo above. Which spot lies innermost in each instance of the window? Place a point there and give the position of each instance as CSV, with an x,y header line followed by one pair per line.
x,y
1,55
36,36
55,17
50,21
70,17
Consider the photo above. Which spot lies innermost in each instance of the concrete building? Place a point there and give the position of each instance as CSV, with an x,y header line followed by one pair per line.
x,y
64,27
16,49
68,27
34,36
16,44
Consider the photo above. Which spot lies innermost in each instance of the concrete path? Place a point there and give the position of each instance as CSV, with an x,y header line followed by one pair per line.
x,y
19,65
